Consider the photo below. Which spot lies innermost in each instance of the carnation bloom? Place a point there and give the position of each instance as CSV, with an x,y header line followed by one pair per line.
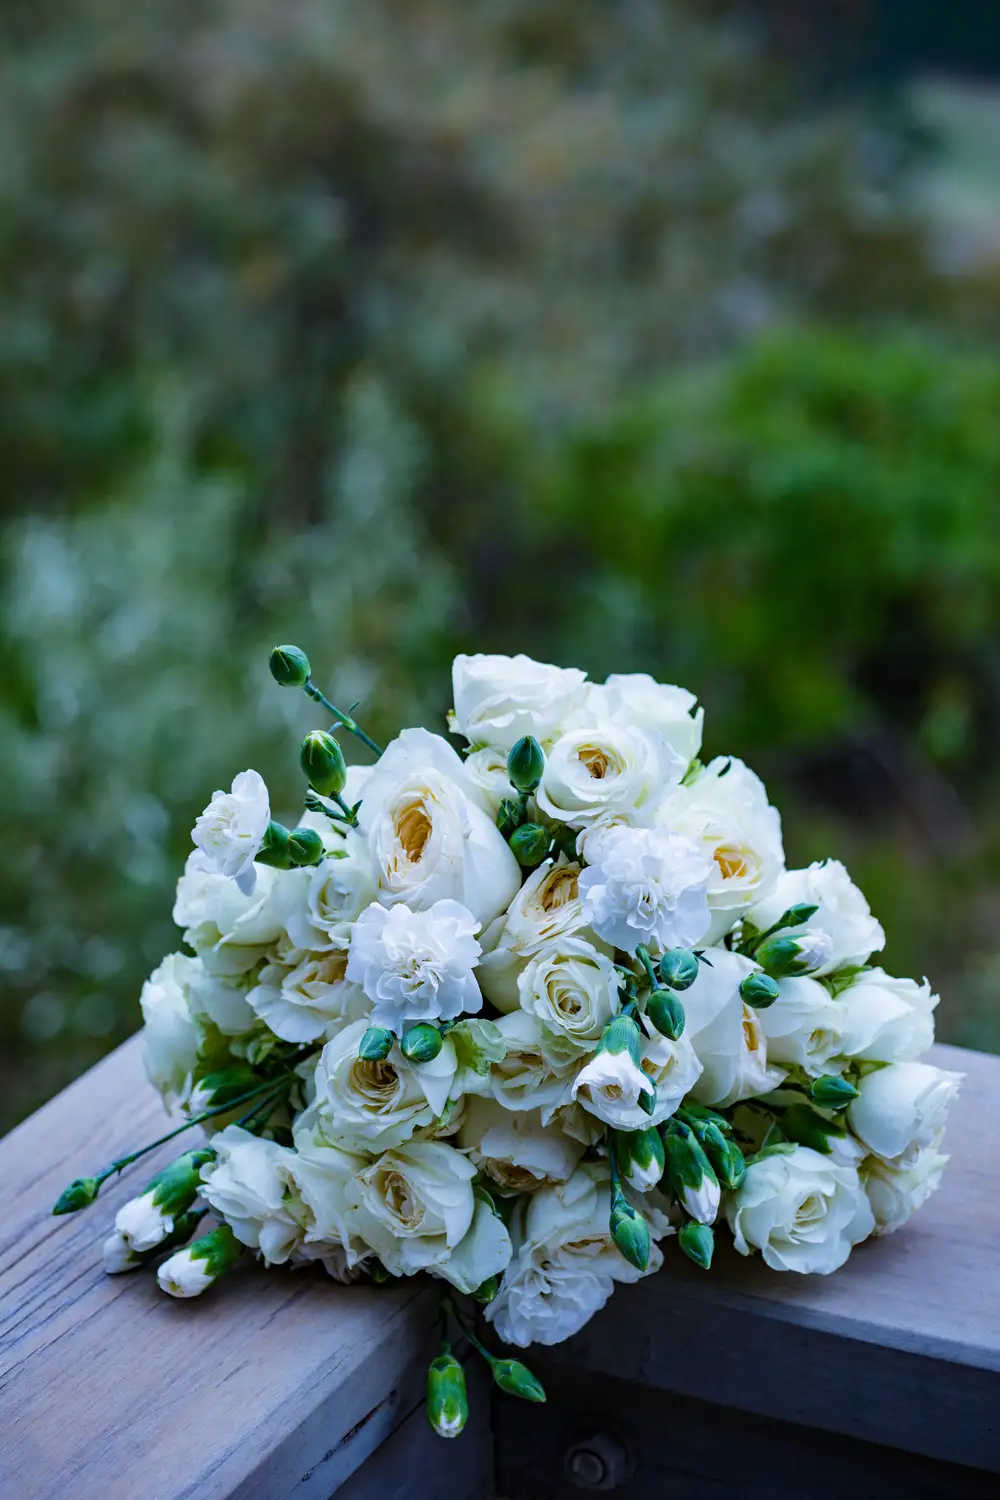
x,y
232,827
645,885
416,965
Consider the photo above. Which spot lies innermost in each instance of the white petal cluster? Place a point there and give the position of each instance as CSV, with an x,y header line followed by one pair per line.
x,y
547,1096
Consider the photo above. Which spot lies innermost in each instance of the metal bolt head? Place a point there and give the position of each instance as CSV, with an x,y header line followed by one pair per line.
x,y
597,1461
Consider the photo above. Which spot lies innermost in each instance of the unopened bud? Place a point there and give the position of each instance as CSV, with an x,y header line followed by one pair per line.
x,y
305,846
690,1173
759,990
630,1232
376,1044
192,1271
698,1243
517,1380
447,1403
666,1013
421,1043
486,1291
794,955
289,666
678,968
529,844
647,1099
640,1158
222,1087
622,1034
80,1194
525,764
274,849
796,916
508,816
119,1256
831,1092
323,762
726,1157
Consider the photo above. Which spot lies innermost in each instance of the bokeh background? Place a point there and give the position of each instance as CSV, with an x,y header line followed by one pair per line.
x,y
644,336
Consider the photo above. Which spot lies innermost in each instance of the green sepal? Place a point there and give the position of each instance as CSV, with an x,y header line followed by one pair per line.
x,y
525,764
376,1044
323,762
274,849
529,844
80,1193
421,1042
289,666
678,968
517,1380
666,1013
698,1243
447,1402
478,1044
759,991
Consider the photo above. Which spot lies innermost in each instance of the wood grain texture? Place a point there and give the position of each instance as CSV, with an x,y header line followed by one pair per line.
x,y
271,1385
901,1346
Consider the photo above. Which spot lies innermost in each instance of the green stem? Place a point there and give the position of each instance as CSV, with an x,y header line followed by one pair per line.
x,y
350,816
642,954
448,1306
616,1182
351,725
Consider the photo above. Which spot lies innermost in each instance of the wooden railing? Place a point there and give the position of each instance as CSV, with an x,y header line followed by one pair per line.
x,y
883,1380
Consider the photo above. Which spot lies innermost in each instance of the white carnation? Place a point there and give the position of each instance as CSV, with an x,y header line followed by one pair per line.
x,y
416,965
498,699
171,1037
645,885
249,1185
232,827
844,915
610,1085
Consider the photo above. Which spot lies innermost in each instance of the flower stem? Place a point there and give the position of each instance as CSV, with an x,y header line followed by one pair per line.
x,y
642,954
351,725
448,1306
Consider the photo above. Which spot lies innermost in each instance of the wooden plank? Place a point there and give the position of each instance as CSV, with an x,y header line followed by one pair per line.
x,y
901,1346
271,1385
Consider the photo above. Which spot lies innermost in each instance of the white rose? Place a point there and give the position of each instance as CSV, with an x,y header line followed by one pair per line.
x,y
171,1037
429,835
337,892
902,1107
645,885
416,965
487,769
802,1211
566,1263
414,1205
223,1002
249,1185
634,698
369,1106
514,1149
484,1251
844,915
610,1084
231,932
806,1026
896,1189
321,1176
500,698
607,772
546,908
887,1019
232,827
308,996
726,812
525,1079
573,990
726,1035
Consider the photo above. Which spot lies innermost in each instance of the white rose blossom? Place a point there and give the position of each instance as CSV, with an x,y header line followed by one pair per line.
x,y
336,892
231,829
416,965
430,831
896,1189
487,770
727,1036
725,811
547,908
844,915
607,772
635,699
645,885
230,931
307,996
888,1020
525,1078
498,699
370,1106
250,1186
515,1150
902,1108
573,990
414,1205
171,1037
801,1210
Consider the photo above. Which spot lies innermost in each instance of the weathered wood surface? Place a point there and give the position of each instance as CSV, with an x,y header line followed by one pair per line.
x,y
273,1385
900,1347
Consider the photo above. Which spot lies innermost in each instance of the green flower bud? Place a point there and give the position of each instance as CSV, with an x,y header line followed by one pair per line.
x,y
176,1187
831,1092
690,1173
447,1403
781,956
508,816
640,1158
517,1380
759,990
698,1243
796,916
487,1290
647,1099
678,968
525,764
622,1034
221,1087
529,844
378,1275
305,847
725,1156
274,850
376,1044
322,760
804,1125
80,1194
289,666
189,1272
666,1013
630,1233
421,1043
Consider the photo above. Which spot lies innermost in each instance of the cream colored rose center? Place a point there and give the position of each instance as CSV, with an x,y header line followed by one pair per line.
x,y
751,1030
399,1200
733,863
560,888
413,829
511,1178
378,1082
599,762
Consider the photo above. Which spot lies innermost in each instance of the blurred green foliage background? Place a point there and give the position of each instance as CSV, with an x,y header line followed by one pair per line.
x,y
543,325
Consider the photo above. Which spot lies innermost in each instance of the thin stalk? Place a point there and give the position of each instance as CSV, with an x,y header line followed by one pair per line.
x,y
351,725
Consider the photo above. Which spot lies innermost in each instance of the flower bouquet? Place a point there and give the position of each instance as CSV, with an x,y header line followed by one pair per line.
x,y
518,1016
